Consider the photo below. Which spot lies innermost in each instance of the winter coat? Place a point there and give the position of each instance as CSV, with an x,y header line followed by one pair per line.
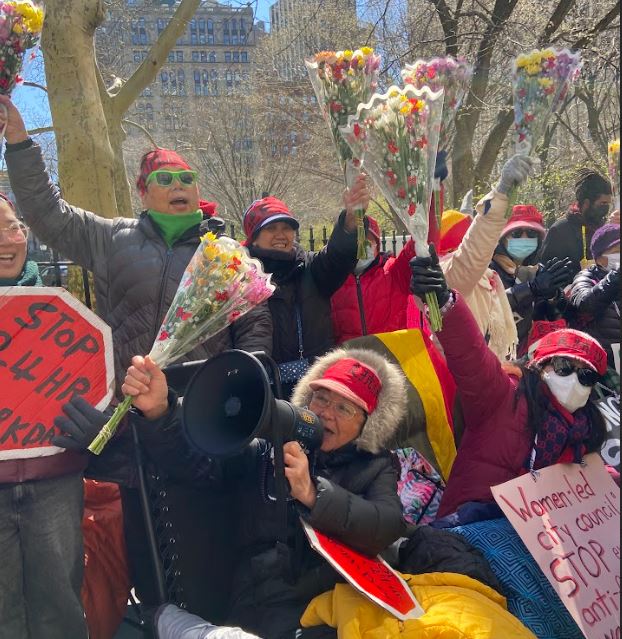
x,y
467,271
357,500
456,607
595,297
565,239
375,301
136,274
307,280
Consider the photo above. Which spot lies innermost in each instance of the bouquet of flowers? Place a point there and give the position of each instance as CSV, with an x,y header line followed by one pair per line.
x,y
454,77
342,80
400,132
220,284
614,170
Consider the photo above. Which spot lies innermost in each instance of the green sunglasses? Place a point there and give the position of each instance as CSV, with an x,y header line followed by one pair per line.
x,y
166,178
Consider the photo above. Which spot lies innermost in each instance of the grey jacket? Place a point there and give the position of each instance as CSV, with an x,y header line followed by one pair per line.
x,y
136,274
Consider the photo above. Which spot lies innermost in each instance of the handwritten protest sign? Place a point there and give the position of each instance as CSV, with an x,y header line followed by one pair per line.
x,y
610,409
569,519
52,349
371,576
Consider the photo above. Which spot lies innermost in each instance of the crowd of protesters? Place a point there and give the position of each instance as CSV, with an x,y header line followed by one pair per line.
x,y
530,315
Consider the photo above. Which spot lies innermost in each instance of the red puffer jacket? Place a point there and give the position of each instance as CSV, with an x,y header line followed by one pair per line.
x,y
376,301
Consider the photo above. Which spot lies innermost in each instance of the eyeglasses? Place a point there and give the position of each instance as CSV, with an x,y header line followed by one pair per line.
x,y
344,409
16,232
564,368
530,233
166,178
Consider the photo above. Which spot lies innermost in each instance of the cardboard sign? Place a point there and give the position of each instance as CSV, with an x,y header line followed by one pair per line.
x,y
372,577
52,348
569,519
610,409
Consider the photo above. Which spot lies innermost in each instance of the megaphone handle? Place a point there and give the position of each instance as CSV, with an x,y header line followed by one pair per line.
x,y
268,362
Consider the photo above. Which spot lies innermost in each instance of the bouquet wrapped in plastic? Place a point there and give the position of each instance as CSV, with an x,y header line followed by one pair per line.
x,y
614,170
453,76
341,81
400,132
220,284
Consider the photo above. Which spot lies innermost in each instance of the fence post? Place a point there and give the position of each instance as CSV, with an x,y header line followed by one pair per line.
x,y
383,241
232,230
324,236
394,242
87,288
311,239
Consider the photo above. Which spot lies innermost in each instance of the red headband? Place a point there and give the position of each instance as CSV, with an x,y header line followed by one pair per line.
x,y
154,161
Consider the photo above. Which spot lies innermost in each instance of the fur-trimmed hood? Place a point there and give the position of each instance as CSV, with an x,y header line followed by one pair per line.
x,y
384,422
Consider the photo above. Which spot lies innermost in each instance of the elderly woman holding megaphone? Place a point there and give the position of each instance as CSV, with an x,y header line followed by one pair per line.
x,y
345,488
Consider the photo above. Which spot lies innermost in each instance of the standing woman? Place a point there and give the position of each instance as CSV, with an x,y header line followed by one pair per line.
x,y
41,501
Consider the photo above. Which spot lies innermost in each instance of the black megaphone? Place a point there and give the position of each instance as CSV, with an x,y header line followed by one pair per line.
x,y
229,402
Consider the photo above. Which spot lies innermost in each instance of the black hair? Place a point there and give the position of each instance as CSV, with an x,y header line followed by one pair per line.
x,y
590,185
532,388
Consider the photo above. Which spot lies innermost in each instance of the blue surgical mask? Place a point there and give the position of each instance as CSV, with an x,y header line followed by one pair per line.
x,y
521,248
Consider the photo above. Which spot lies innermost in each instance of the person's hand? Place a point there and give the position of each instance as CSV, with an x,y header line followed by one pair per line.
x,y
614,218
428,277
15,128
301,486
515,172
146,383
440,170
356,198
551,277
80,425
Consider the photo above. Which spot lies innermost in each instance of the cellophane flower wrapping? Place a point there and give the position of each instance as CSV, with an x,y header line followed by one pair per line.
x,y
341,81
614,170
21,23
399,131
221,284
541,83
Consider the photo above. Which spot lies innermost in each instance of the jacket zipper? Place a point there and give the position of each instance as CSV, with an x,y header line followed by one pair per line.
x,y
359,293
158,316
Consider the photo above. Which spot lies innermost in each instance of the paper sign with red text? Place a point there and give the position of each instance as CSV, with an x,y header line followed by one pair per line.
x,y
371,576
52,348
569,519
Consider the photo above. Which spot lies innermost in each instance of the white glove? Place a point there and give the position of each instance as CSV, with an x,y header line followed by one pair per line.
x,y
515,172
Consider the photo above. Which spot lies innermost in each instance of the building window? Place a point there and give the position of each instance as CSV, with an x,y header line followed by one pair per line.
x,y
210,32
229,81
212,57
195,56
179,56
227,56
226,38
172,82
214,76
202,33
142,31
161,25
203,56
205,82
171,56
164,81
236,56
137,56
194,36
244,56
181,82
243,33
197,83
234,31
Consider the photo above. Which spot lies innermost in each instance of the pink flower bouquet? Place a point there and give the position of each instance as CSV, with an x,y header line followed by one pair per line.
x,y
220,284
400,131
341,81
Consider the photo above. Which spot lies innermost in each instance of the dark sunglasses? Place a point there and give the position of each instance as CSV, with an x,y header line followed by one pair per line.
x,y
166,178
564,368
530,233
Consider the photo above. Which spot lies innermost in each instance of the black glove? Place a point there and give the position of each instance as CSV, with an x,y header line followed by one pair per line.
x,y
216,225
440,171
427,277
80,427
611,285
556,274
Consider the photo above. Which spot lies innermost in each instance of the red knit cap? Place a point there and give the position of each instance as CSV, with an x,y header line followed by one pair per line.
x,y
263,212
156,160
574,345
208,208
354,381
525,216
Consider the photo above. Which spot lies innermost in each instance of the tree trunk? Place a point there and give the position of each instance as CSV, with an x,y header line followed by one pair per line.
x,y
85,158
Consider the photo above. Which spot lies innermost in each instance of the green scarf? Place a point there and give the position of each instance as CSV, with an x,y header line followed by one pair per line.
x,y
172,227
28,277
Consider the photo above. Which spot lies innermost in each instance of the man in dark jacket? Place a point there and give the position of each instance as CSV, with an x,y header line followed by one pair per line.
x,y
348,493
571,236
595,293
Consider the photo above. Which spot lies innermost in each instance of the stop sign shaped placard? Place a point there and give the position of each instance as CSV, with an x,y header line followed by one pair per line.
x,y
52,348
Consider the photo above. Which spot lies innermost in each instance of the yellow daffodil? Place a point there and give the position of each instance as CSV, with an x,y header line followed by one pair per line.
x,y
347,54
614,147
367,50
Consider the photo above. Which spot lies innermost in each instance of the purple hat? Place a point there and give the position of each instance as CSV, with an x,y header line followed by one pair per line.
x,y
604,238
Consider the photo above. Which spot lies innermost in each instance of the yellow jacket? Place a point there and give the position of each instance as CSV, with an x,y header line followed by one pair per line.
x,y
457,607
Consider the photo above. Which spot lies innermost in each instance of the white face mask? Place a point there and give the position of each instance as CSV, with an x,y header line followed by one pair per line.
x,y
613,260
568,391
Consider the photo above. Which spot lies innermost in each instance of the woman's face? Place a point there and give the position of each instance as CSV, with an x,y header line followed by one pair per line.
x,y
278,236
176,199
342,420
13,245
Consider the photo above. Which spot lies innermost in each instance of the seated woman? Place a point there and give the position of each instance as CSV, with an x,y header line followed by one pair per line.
x,y
350,495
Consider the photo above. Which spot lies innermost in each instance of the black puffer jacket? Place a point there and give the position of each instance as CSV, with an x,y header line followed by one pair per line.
x,y
136,274
307,280
565,239
595,298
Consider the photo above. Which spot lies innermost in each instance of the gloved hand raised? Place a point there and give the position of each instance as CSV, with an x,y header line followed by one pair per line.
x,y
556,274
427,277
80,426
515,172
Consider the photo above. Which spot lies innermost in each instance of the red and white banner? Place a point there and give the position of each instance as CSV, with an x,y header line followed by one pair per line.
x,y
569,519
52,348
371,576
